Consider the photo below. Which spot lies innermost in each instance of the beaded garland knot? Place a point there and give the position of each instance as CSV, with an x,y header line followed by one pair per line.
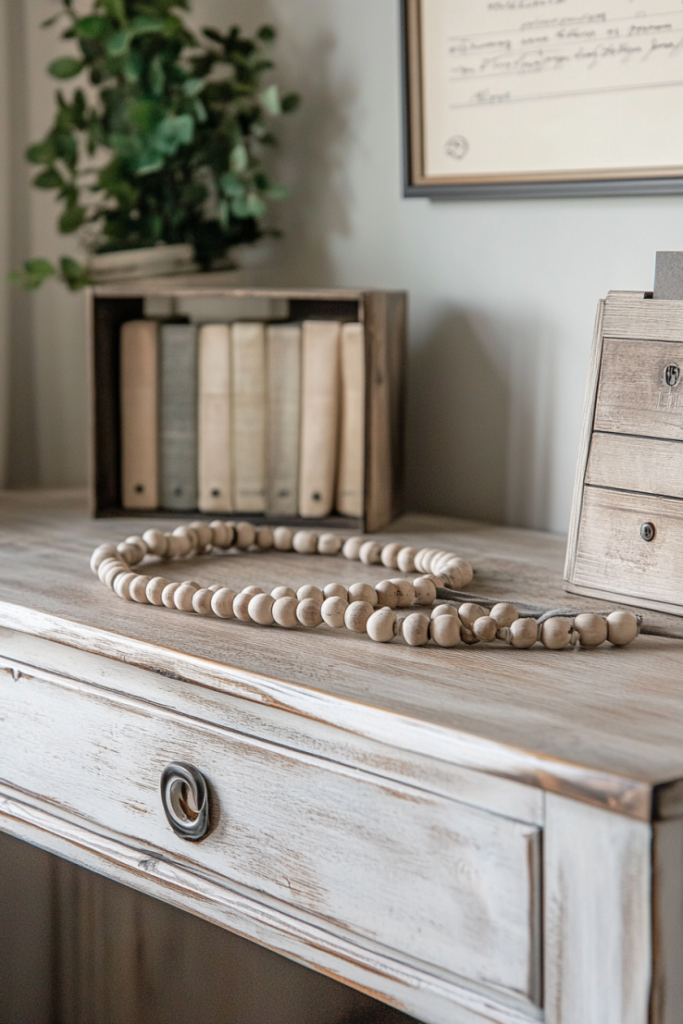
x,y
362,607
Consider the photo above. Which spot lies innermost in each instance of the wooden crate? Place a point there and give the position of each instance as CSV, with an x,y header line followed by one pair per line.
x,y
626,529
384,317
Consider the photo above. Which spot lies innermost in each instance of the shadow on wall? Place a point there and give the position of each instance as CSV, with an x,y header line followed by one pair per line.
x,y
470,451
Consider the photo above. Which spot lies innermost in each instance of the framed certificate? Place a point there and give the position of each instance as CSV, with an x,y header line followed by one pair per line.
x,y
543,97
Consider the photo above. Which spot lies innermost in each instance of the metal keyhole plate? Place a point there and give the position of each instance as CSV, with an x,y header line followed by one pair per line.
x,y
672,375
185,798
647,531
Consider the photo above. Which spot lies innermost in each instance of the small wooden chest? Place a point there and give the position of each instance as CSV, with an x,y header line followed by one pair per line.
x,y
626,529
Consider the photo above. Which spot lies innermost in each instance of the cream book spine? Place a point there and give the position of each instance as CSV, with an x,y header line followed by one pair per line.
x,y
249,416
214,422
283,384
139,358
351,473
319,417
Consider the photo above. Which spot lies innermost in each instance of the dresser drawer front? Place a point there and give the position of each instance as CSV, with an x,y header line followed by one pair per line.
x,y
612,554
642,464
435,880
633,396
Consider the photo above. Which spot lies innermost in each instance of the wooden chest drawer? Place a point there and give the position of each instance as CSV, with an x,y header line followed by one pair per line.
x,y
437,882
633,394
612,555
644,464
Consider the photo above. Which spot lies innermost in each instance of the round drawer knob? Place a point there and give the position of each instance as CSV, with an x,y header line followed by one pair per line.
x,y
185,796
647,531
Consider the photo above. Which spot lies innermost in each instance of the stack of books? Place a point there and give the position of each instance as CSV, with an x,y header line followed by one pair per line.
x,y
246,417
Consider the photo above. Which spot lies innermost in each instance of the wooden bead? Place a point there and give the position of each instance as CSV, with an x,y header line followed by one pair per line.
x,y
425,591
222,602
204,534
245,535
284,612
417,558
504,614
389,556
469,613
485,629
113,569
308,612
264,538
381,625
156,541
351,548
253,591
357,615
305,542
240,606
329,544
444,609
130,553
416,629
467,636
436,580
523,633
556,633
221,534
309,591
279,592
622,628
176,546
387,594
406,592
336,590
370,553
201,601
333,610
215,586
592,629
182,598
406,559
138,542
282,538
456,573
168,595
261,609
445,630
122,584
428,558
187,540
155,589
110,563
363,592
436,560
99,555
138,589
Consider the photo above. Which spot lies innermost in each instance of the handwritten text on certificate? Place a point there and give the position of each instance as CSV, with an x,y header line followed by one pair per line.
x,y
548,87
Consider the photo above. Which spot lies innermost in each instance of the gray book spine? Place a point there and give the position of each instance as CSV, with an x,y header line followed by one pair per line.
x,y
178,416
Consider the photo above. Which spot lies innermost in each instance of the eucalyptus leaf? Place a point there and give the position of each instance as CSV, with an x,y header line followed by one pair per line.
x,y
92,27
71,219
65,67
49,179
270,98
239,158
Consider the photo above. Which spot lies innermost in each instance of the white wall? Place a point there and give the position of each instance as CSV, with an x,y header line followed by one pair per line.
x,y
502,294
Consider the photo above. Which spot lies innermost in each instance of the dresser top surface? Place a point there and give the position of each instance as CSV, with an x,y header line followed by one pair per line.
x,y
606,721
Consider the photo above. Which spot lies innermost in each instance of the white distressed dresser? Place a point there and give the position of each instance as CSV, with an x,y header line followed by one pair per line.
x,y
475,835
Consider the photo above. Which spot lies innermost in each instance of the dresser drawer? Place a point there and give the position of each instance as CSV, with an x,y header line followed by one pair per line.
x,y
629,463
612,555
437,882
633,395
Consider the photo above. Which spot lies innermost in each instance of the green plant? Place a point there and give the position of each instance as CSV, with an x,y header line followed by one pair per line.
x,y
167,144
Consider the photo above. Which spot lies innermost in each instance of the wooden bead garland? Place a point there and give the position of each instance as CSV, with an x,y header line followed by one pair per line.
x,y
361,607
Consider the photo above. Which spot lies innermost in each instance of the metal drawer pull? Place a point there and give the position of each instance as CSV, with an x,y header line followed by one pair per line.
x,y
185,796
647,532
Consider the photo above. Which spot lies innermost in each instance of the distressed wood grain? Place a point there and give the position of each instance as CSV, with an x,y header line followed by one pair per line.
x,y
434,1000
597,923
458,885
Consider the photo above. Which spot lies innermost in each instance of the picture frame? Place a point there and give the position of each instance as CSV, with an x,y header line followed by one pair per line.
x,y
581,103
